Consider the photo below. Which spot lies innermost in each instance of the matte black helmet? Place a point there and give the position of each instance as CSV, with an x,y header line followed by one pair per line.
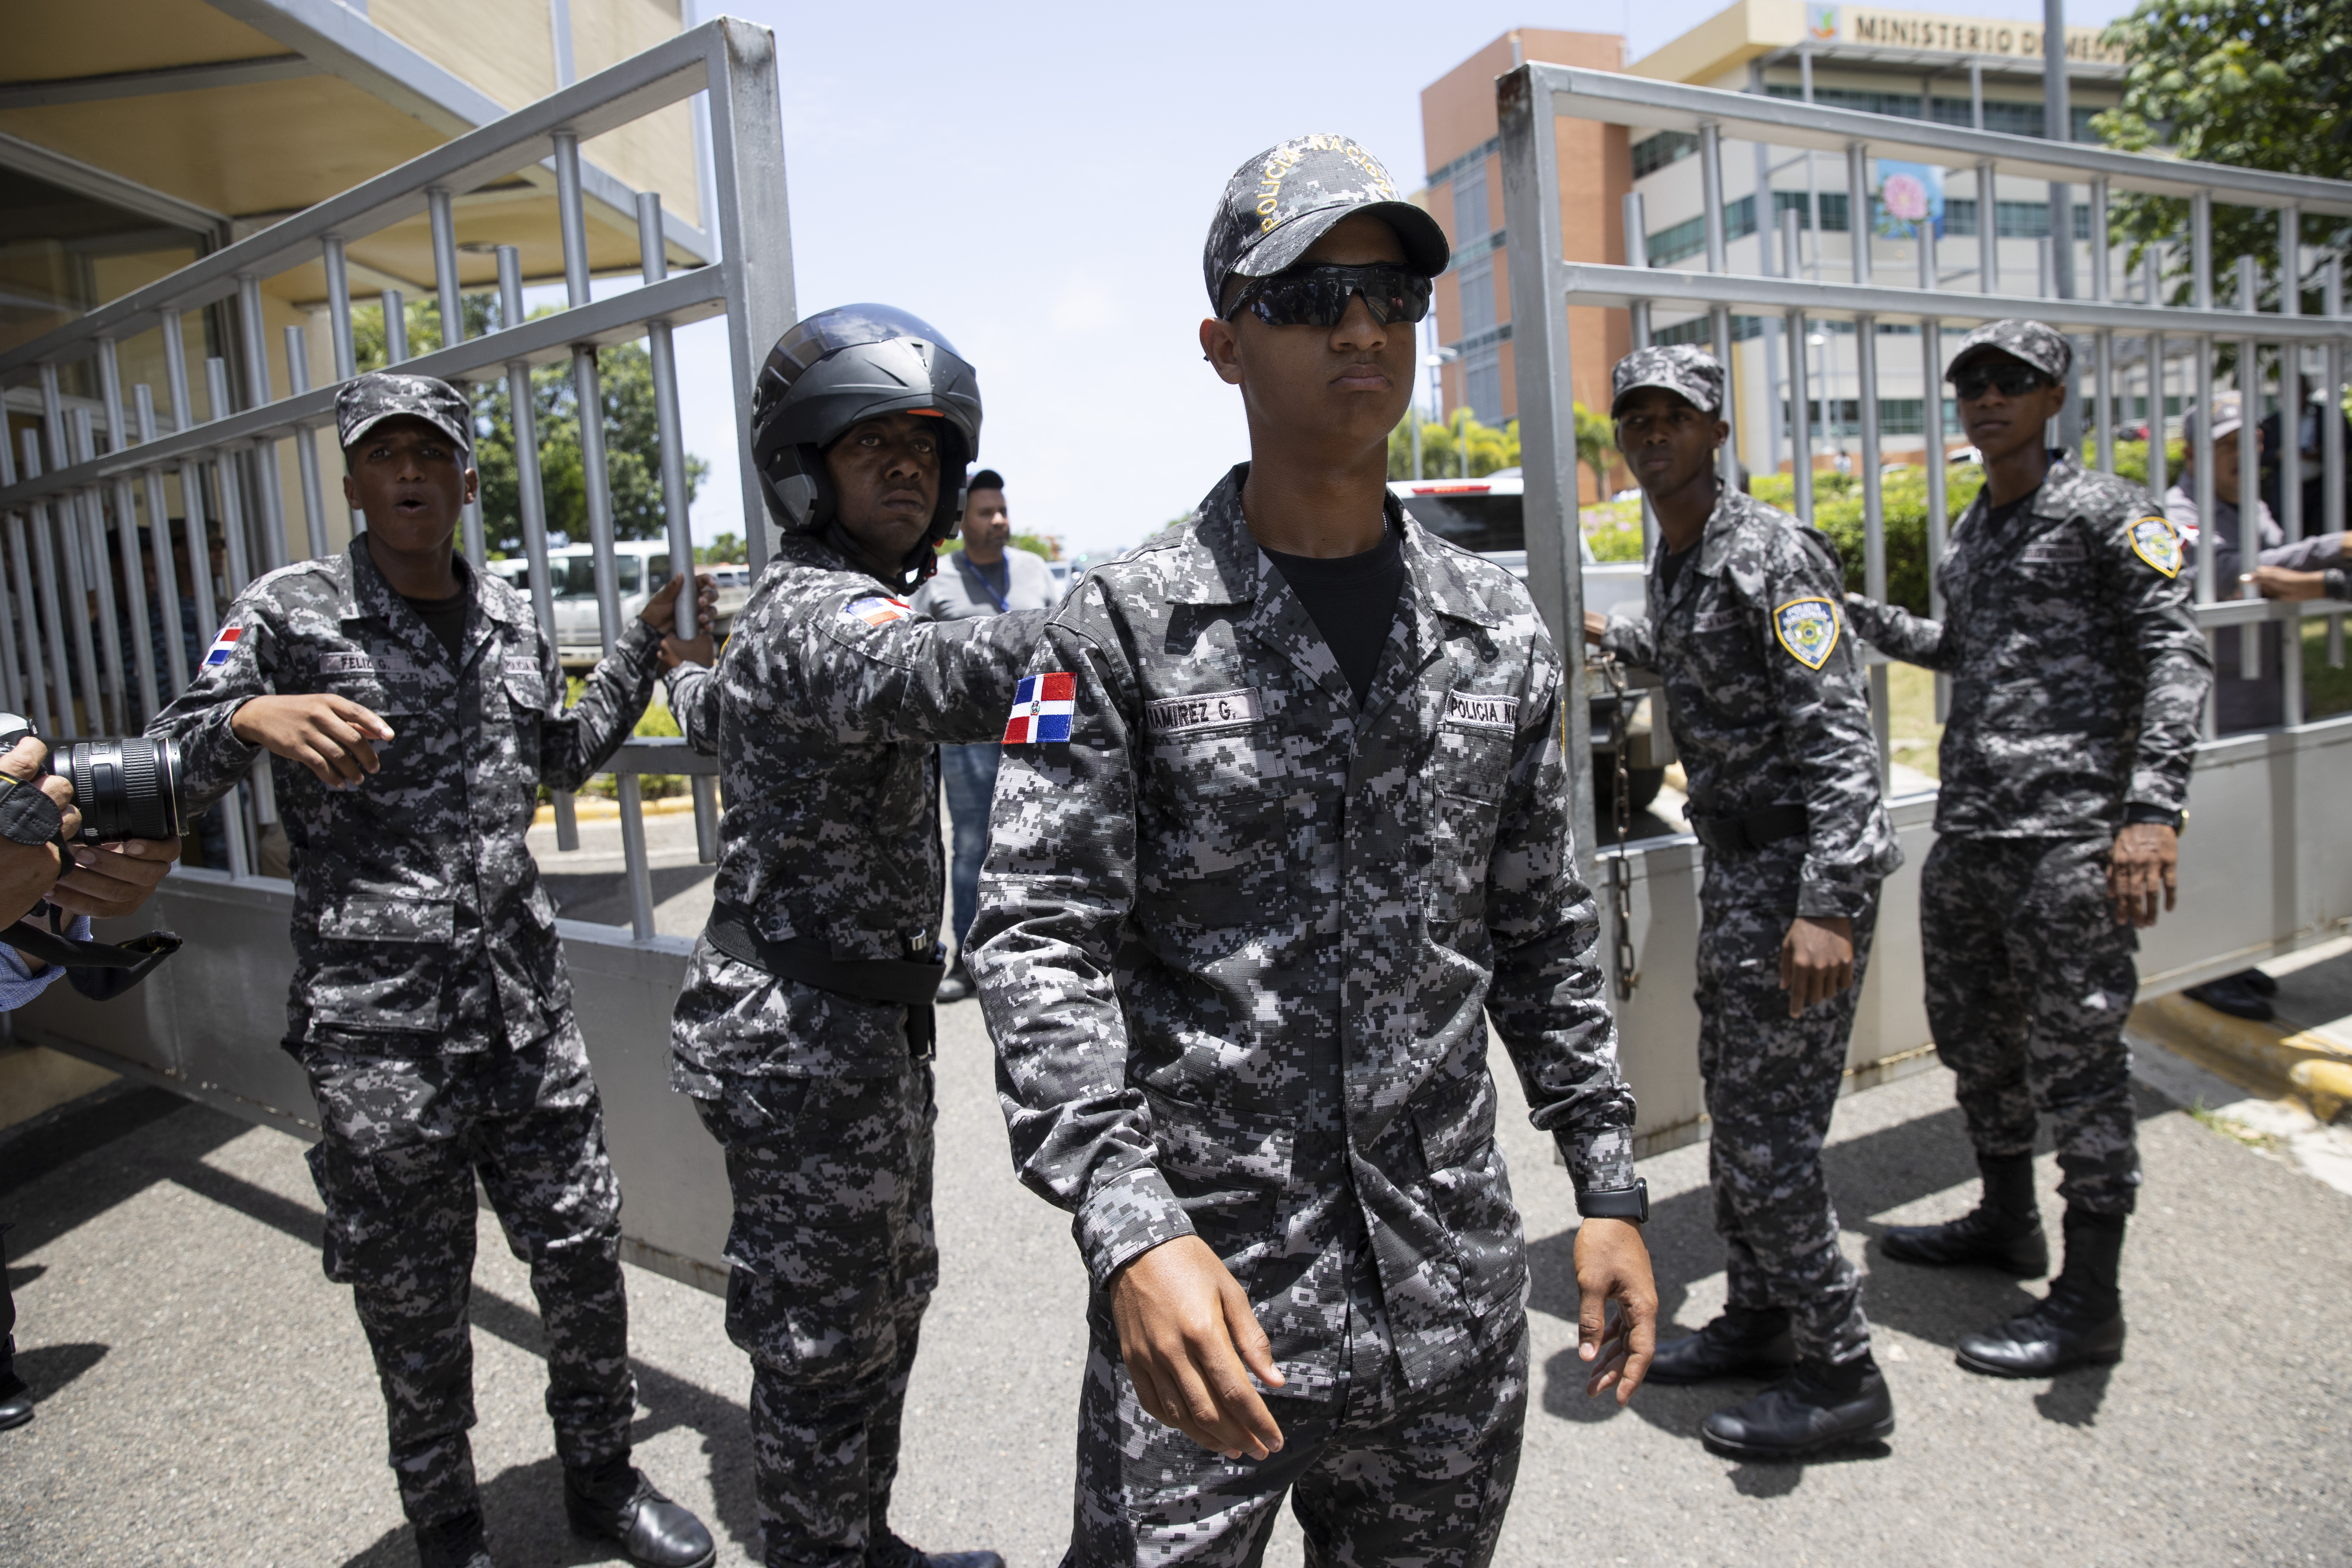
x,y
843,365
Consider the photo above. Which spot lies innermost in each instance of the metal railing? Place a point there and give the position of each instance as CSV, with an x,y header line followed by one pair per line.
x,y
2264,872
2137,336
108,463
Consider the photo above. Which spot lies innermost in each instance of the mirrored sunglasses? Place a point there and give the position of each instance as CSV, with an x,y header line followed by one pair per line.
x,y
1318,296
2015,381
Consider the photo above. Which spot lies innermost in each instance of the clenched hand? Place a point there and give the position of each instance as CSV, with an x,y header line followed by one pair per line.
x,y
331,736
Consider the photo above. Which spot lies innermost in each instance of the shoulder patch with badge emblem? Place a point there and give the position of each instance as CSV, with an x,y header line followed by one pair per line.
x,y
2155,541
1807,628
879,610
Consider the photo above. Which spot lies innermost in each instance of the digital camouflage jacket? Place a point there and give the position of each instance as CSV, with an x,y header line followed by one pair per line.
x,y
417,909
1237,940
2078,672
823,711
1766,696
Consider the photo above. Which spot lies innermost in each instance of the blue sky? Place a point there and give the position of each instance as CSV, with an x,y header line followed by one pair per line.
x,y
1036,181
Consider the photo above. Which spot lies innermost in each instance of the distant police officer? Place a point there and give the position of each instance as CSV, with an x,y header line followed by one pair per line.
x,y
804,1031
430,1004
1283,818
2078,679
1769,711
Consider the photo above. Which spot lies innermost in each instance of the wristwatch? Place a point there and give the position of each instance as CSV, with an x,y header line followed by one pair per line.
x,y
2155,815
1619,1203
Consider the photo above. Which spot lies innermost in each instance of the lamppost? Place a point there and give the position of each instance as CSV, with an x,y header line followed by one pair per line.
x,y
1436,361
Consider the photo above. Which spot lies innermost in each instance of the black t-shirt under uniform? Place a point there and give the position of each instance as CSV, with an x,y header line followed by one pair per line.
x,y
1352,600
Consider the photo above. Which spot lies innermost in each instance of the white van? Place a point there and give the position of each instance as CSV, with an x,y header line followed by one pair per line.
x,y
1487,515
642,565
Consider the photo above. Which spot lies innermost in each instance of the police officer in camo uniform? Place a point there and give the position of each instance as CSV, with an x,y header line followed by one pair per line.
x,y
804,1032
1766,700
1282,816
430,1005
2078,680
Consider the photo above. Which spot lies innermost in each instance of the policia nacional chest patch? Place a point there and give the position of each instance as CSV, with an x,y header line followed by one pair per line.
x,y
1807,628
2155,541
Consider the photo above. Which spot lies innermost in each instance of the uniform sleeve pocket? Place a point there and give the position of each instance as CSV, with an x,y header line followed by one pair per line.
x,y
375,918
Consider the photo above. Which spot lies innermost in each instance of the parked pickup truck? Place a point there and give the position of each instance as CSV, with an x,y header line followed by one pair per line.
x,y
1486,515
643,566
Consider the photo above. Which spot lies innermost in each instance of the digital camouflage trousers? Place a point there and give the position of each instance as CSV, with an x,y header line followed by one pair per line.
x,y
2030,979
404,1137
833,1261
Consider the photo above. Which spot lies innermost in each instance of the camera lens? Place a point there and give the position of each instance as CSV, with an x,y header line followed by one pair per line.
x,y
126,789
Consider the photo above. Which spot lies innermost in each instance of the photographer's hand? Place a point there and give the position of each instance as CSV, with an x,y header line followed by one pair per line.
x,y
110,879
329,735
28,871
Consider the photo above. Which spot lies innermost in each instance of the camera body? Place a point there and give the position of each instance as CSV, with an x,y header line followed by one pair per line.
x,y
127,788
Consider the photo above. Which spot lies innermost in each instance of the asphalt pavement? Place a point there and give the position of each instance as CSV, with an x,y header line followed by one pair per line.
x,y
206,1397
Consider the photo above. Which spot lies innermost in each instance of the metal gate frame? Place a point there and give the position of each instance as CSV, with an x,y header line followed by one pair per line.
x,y
207,1024
2265,870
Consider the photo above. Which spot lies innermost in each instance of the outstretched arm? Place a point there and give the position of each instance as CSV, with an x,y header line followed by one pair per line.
x,y
1898,634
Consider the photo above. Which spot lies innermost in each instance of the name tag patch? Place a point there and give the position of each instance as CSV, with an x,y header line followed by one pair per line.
x,y
1717,621
2154,541
879,610
1477,711
364,664
521,664
1210,711
1807,628
1043,708
2052,553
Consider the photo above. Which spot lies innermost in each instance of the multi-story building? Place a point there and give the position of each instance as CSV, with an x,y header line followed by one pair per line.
x,y
1954,71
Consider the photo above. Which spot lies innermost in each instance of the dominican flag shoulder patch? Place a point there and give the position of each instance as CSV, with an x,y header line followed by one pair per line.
x,y
222,646
1042,706
877,611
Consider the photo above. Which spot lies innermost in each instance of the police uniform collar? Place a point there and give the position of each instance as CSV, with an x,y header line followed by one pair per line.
x,y
2051,500
1722,528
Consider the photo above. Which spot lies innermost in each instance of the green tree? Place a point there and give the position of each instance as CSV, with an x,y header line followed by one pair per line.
x,y
2262,84
1596,448
727,549
632,446
1443,447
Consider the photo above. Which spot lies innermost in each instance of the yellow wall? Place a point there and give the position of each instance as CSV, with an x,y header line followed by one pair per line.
x,y
505,49
657,152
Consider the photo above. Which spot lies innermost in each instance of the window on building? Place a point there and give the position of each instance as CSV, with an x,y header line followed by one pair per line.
x,y
1470,220
1477,280
1688,237
1653,154
2010,115
1841,416
1482,384
1833,209
1699,330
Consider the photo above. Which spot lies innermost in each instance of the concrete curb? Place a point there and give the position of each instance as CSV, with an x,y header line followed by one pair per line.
x,y
2312,1067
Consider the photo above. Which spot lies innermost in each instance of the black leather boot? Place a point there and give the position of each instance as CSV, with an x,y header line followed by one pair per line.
x,y
1739,1343
615,1502
1820,1406
16,1401
2080,1323
454,1542
2003,1232
892,1552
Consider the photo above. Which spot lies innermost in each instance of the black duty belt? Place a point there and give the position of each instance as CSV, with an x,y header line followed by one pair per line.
x,y
1747,835
910,982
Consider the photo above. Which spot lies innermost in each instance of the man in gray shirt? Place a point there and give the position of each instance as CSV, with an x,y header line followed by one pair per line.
x,y
986,578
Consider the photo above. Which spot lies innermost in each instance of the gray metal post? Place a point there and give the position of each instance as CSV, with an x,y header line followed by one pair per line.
x,y
159,540
2331,432
395,327
755,228
339,307
1637,320
232,496
1939,506
306,444
45,558
2292,401
653,259
1988,229
1800,417
1710,153
36,693
65,512
126,517
2058,125
531,501
89,507
2157,458
270,495
2250,468
1532,245
1874,522
452,304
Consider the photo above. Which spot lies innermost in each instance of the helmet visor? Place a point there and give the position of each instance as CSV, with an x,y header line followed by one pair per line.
x,y
848,326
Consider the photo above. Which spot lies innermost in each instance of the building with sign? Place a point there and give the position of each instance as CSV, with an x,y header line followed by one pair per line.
x,y
1954,71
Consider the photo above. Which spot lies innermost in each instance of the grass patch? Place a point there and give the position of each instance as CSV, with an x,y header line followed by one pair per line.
x,y
1911,717
2325,690
2233,1129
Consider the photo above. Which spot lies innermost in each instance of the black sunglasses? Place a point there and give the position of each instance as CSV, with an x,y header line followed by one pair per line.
x,y
1318,296
2015,381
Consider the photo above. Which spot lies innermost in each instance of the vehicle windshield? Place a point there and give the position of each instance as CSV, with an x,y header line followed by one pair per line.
x,y
575,575
1479,521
